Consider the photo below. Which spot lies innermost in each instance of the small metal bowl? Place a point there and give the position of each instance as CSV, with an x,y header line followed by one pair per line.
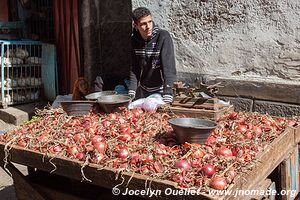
x,y
111,103
79,108
94,96
192,130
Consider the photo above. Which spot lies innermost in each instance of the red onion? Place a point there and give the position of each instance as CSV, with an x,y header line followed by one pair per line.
x,y
97,139
124,137
183,165
100,147
123,153
242,128
223,151
218,183
208,170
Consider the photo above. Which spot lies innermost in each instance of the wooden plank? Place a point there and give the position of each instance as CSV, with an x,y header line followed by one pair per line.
x,y
197,113
193,105
256,194
199,103
272,187
267,161
297,134
290,175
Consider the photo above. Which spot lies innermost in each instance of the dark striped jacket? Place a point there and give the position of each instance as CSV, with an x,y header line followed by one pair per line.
x,y
153,63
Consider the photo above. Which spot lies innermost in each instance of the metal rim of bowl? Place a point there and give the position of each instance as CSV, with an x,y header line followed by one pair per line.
x,y
114,102
78,107
77,102
102,93
214,124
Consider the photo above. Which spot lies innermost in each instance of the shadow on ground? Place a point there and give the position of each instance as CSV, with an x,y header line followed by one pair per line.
x,y
8,193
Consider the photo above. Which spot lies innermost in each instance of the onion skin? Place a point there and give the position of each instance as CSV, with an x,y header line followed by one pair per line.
x,y
148,159
80,156
135,158
233,116
72,151
22,143
198,154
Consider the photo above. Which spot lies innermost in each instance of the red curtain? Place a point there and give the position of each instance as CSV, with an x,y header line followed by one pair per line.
x,y
4,10
67,43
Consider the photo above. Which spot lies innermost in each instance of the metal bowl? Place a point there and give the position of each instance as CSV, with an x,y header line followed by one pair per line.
x,y
94,96
111,103
79,108
192,130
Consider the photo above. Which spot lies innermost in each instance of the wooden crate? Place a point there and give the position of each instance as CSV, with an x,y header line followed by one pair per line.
x,y
297,134
189,107
266,162
290,175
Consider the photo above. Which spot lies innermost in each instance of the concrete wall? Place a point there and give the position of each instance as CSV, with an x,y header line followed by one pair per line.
x,y
254,42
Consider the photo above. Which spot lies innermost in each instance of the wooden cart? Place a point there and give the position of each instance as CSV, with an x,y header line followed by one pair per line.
x,y
278,162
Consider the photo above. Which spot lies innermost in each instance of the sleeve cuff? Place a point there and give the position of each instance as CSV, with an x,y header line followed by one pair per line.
x,y
131,93
167,98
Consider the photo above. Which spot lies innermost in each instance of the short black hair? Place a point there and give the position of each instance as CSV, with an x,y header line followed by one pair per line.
x,y
140,12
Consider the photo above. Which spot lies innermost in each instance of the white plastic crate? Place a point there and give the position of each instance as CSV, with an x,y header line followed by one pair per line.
x,y
21,71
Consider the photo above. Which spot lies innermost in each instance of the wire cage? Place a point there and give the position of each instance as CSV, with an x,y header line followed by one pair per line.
x,y
21,71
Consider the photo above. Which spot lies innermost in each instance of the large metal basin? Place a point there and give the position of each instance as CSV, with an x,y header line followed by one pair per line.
x,y
79,108
111,103
192,130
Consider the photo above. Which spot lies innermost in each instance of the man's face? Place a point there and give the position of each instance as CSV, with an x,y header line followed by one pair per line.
x,y
145,26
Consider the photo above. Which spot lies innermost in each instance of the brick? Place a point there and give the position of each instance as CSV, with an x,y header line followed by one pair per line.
x,y
240,104
276,108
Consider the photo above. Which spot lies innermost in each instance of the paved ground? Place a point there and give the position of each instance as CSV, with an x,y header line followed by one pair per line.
x,y
7,190
15,116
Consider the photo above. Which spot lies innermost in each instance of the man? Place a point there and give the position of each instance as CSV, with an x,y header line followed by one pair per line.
x,y
153,61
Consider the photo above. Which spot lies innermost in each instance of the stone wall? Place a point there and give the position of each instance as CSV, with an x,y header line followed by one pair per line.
x,y
256,42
